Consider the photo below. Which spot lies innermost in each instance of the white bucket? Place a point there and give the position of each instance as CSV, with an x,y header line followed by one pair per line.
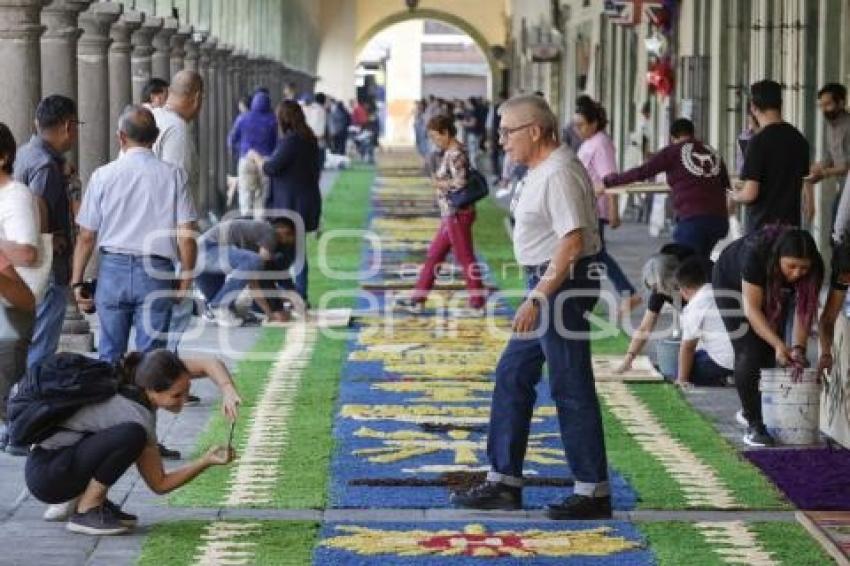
x,y
790,409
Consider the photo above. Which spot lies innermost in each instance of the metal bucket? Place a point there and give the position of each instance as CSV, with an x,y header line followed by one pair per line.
x,y
667,358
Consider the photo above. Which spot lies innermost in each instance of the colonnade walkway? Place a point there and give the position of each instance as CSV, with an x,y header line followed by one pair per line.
x,y
351,439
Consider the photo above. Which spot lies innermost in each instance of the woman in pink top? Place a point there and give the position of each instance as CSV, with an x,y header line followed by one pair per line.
x,y
597,154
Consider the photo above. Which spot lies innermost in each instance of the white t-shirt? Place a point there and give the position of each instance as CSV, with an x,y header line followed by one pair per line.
x,y
701,321
18,214
555,198
317,118
175,145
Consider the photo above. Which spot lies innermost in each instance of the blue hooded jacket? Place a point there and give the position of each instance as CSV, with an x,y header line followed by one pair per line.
x,y
255,129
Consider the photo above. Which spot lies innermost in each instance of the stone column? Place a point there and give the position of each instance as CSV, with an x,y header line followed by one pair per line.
x,y
141,63
59,47
278,71
193,53
161,58
263,73
20,30
93,57
234,70
93,107
237,61
249,80
59,51
206,127
223,126
120,82
178,48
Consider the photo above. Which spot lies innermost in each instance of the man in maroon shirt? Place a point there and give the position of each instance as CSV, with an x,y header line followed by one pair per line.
x,y
698,181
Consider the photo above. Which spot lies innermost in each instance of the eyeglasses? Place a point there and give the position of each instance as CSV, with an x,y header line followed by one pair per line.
x,y
507,132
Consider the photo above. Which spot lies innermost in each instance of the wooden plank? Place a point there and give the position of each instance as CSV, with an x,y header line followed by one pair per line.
x,y
604,367
809,521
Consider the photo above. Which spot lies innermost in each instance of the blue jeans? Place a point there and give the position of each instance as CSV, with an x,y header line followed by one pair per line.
x,y
612,268
237,265
706,372
123,300
572,387
301,280
49,317
701,233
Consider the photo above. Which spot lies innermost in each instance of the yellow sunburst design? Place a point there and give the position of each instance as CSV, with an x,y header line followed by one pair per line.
x,y
441,391
475,540
422,356
435,323
435,414
405,444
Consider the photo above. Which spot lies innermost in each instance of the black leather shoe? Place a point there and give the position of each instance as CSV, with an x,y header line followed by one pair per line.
x,y
577,507
489,495
167,453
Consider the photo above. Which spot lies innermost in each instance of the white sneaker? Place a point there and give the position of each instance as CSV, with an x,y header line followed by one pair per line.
x,y
60,511
757,436
406,304
739,418
468,312
226,317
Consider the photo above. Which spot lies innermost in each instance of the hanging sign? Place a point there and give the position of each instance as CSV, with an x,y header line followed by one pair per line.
x,y
631,12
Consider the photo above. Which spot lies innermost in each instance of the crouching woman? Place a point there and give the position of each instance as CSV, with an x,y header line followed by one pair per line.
x,y
78,464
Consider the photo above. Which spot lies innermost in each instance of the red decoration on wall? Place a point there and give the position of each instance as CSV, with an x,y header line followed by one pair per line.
x,y
660,77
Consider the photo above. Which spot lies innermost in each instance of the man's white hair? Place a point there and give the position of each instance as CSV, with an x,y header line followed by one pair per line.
x,y
536,110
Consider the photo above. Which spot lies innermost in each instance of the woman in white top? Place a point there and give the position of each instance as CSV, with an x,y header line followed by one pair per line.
x,y
19,238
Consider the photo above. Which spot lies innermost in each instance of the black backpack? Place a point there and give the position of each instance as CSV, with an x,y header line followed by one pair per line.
x,y
53,391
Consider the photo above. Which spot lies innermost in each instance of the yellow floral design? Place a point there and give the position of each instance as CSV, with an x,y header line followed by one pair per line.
x,y
434,414
441,391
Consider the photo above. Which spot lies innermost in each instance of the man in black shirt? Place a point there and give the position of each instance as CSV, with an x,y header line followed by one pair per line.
x,y
775,163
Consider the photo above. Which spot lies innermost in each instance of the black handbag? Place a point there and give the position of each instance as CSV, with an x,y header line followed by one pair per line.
x,y
476,189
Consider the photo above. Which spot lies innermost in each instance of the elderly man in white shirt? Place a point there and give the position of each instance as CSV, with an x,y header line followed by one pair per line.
x,y
556,239
138,211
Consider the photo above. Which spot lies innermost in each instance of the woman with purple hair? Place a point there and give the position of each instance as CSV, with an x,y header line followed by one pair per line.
x,y
755,281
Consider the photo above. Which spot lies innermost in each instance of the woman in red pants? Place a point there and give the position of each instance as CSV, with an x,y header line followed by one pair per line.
x,y
455,232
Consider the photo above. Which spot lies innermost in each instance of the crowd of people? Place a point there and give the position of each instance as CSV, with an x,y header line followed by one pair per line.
x,y
749,306
129,251
744,304
473,119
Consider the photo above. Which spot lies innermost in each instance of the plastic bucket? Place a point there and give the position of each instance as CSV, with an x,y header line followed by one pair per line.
x,y
667,358
791,410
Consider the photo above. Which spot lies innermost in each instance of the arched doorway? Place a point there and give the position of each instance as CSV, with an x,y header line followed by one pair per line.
x,y
408,60
444,17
